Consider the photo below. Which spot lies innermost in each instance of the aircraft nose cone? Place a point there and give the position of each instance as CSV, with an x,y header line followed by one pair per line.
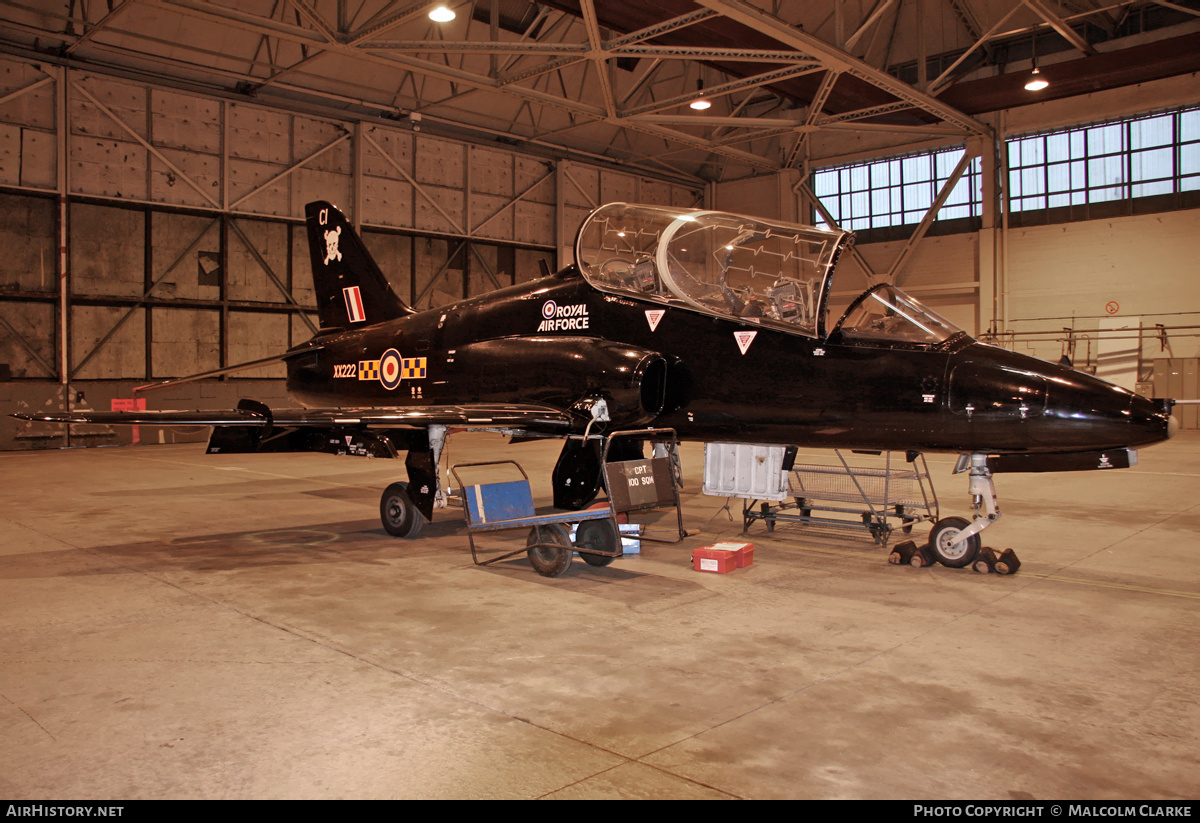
x,y
1152,419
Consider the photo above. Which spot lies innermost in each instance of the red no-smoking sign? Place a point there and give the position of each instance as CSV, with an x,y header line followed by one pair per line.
x,y
1112,307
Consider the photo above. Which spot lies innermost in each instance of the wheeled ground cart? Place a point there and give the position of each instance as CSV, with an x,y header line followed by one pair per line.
x,y
646,484
634,486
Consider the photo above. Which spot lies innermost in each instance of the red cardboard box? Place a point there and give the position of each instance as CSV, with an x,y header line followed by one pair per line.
x,y
708,559
743,552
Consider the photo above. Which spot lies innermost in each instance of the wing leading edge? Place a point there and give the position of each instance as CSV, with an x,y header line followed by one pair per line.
x,y
532,418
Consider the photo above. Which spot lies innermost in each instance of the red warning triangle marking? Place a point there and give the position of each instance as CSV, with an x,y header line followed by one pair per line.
x,y
744,339
653,316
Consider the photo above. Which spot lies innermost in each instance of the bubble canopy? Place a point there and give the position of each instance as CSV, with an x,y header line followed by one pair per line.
x,y
766,272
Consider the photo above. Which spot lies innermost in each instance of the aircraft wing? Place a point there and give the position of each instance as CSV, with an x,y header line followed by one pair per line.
x,y
514,416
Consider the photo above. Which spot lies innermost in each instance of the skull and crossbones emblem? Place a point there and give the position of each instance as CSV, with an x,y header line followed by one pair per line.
x,y
331,245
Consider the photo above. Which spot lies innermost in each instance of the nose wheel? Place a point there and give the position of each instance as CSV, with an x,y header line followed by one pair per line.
x,y
948,545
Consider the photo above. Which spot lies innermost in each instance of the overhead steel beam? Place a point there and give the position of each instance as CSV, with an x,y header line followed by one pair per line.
x,y
299,34
372,29
814,113
870,20
99,25
714,54
833,58
485,47
659,29
302,62
1177,7
241,19
851,125
966,15
702,121
963,164
1057,23
672,136
943,81
862,114
640,83
541,68
598,59
804,188
314,17
722,89
575,105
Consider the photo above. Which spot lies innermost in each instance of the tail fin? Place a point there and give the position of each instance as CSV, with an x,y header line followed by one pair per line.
x,y
351,290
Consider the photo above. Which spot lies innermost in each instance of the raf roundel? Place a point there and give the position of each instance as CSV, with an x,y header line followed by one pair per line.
x,y
390,372
548,309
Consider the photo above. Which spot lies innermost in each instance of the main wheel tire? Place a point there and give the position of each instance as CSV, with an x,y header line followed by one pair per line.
x,y
400,516
600,535
943,535
553,557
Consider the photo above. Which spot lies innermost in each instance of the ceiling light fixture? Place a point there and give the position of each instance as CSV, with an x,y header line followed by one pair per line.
x,y
441,14
1035,82
700,103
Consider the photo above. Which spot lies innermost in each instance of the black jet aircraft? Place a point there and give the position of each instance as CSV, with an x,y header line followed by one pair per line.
x,y
711,324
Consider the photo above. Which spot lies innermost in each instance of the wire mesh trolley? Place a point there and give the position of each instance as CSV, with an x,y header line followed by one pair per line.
x,y
880,498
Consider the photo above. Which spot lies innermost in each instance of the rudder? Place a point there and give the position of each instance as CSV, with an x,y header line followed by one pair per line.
x,y
351,290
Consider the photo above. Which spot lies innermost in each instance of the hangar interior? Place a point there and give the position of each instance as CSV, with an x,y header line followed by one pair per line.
x,y
184,627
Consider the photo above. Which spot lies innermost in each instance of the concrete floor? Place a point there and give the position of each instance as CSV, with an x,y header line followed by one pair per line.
x,y
177,626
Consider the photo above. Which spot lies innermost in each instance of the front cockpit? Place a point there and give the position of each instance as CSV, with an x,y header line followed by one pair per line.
x,y
885,315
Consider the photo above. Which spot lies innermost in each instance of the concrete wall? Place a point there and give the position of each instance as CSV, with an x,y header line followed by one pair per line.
x,y
1141,266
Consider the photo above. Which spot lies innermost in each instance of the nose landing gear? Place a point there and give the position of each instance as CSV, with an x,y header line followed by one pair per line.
x,y
953,541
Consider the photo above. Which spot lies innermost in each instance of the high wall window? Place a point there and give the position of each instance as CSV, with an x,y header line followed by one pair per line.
x,y
1135,165
897,191
1127,159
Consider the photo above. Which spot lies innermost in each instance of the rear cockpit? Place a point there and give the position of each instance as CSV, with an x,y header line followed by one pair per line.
x,y
774,274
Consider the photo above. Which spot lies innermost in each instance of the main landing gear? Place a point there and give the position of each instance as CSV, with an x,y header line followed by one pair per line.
x,y
400,516
406,507
955,542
